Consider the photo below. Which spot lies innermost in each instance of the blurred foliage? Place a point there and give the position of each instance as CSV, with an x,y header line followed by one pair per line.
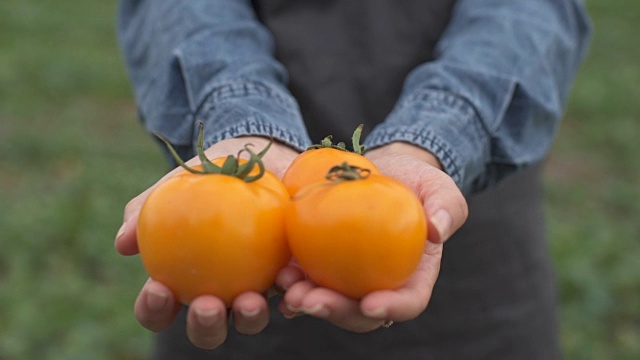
x,y
72,155
593,193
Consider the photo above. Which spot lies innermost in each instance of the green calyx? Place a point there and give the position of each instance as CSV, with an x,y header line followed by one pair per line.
x,y
346,172
327,142
337,174
231,166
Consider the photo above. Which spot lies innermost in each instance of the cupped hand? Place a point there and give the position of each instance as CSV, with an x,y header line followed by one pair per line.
x,y
156,308
446,210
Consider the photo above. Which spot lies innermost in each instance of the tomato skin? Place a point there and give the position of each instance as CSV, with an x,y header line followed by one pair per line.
x,y
312,166
214,234
358,236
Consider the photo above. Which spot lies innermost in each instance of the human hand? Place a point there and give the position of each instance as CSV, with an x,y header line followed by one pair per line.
x,y
446,210
156,307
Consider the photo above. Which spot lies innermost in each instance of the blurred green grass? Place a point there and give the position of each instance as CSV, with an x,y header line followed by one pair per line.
x,y
593,193
72,155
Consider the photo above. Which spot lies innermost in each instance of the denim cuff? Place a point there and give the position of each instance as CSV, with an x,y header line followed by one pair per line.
x,y
242,107
442,123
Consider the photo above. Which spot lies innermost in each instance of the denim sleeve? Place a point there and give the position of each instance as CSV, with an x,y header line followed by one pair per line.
x,y
210,61
490,102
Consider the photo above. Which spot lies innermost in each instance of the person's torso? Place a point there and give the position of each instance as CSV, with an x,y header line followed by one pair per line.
x,y
347,59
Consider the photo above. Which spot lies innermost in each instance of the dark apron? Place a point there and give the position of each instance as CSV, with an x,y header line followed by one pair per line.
x,y
495,296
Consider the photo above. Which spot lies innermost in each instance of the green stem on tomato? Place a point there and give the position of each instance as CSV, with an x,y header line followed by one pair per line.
x,y
355,140
327,142
346,172
207,165
231,165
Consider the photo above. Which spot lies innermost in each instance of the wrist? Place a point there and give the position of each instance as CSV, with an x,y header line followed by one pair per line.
x,y
276,159
405,149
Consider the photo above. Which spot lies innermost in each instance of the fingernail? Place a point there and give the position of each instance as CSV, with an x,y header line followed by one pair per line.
x,y
249,313
291,312
293,315
441,220
122,230
293,308
156,300
319,310
206,318
379,313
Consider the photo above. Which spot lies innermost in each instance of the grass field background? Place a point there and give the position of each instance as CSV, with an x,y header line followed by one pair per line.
x,y
72,154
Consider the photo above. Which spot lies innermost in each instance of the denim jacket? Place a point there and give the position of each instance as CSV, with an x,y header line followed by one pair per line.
x,y
487,105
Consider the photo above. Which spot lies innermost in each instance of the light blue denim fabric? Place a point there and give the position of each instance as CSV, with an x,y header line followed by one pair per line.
x,y
487,106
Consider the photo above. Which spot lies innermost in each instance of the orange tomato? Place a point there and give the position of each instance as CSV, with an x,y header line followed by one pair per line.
x,y
214,234
313,164
357,236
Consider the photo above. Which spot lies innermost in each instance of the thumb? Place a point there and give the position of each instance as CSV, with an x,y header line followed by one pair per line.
x,y
444,205
126,242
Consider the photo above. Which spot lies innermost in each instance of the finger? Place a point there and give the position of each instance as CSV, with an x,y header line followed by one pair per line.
x,y
156,307
305,297
295,295
126,242
250,313
288,276
287,311
339,310
412,298
207,322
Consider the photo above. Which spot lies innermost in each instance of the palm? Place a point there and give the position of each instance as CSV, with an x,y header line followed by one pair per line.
x,y
156,307
436,191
